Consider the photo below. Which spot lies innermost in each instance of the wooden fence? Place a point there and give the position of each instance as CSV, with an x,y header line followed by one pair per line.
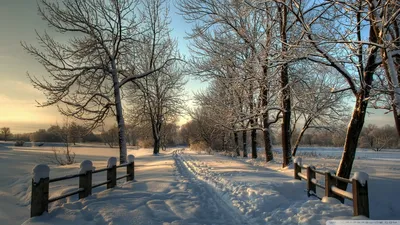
x,y
359,194
41,182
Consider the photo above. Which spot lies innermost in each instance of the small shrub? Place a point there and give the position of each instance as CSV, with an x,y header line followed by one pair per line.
x,y
145,143
199,146
61,157
19,143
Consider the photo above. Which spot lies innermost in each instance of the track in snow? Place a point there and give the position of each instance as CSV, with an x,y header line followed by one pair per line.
x,y
207,193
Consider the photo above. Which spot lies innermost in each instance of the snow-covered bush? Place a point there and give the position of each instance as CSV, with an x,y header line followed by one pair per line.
x,y
60,157
19,143
200,146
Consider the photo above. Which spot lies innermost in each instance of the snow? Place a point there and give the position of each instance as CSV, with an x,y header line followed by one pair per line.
x,y
297,160
131,158
361,177
40,171
86,165
184,187
339,191
112,161
330,200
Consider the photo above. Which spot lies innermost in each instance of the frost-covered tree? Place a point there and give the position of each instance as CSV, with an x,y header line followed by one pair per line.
x,y
315,103
385,21
87,72
5,132
344,36
157,98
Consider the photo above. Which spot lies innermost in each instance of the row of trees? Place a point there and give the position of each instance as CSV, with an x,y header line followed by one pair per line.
x,y
372,137
293,62
67,133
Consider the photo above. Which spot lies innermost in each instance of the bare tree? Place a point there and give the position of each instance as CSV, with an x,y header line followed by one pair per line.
x,y
63,156
334,29
314,104
88,72
6,132
110,137
385,22
378,138
157,98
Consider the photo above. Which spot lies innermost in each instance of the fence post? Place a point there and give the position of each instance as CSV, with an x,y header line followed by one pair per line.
x,y
360,196
328,184
85,180
130,168
112,172
310,185
40,190
297,168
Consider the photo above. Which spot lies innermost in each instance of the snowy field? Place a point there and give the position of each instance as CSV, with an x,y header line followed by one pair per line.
x,y
184,187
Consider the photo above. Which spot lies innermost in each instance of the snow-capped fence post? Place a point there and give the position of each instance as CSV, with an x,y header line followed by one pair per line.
x,y
360,194
85,178
40,190
112,172
310,176
297,168
329,181
130,168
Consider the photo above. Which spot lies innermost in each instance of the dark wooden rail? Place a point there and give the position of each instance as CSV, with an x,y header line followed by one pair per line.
x,y
41,182
359,194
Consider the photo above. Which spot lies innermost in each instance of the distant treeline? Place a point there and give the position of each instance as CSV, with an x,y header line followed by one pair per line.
x,y
138,135
73,133
372,137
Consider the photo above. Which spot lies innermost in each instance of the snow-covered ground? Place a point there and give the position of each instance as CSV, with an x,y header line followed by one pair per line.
x,y
184,187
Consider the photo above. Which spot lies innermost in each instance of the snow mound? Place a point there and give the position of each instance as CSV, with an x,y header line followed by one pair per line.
x,y
86,165
40,171
297,160
131,158
330,200
112,161
361,177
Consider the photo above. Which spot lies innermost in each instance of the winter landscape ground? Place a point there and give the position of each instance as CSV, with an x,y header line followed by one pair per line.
x,y
185,187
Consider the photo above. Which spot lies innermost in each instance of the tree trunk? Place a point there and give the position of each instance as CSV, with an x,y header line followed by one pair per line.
x,y
357,119
298,140
156,129
392,75
253,136
353,133
396,116
157,144
119,115
267,144
285,94
296,145
236,139
223,141
265,117
244,137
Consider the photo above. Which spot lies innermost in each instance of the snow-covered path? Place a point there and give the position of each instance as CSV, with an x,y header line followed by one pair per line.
x,y
210,198
263,195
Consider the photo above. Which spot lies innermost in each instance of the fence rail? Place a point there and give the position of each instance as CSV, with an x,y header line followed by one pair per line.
x,y
41,182
359,194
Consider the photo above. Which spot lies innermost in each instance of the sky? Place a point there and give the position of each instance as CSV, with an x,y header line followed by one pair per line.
x,y
18,107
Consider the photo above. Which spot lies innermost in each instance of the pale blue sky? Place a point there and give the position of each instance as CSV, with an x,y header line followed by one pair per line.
x,y
18,21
